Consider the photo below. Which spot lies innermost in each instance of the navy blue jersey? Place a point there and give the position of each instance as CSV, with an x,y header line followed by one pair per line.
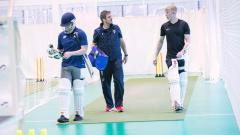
x,y
175,36
68,42
108,40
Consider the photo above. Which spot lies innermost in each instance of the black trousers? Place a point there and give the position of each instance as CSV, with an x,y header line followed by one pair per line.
x,y
114,69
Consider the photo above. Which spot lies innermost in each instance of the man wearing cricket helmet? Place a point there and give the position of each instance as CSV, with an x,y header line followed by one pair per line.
x,y
72,41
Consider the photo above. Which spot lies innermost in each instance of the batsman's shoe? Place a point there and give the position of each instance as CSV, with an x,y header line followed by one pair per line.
x,y
109,109
119,109
78,118
177,107
63,119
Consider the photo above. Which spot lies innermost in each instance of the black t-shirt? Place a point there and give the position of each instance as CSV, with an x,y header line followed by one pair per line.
x,y
175,36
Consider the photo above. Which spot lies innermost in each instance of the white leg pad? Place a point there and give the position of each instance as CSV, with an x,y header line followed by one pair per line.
x,y
174,85
183,85
64,93
78,91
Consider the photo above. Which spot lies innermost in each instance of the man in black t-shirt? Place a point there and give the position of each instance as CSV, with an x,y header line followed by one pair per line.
x,y
177,33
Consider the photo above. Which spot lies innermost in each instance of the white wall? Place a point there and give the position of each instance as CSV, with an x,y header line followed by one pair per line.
x,y
35,40
230,65
140,34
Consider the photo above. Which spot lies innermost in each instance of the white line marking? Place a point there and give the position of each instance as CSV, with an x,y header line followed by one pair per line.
x,y
40,121
207,115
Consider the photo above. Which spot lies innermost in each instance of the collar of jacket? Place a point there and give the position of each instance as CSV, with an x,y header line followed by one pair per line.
x,y
101,26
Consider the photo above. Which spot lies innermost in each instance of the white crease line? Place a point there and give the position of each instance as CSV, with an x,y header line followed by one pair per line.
x,y
187,115
191,115
40,121
39,105
207,115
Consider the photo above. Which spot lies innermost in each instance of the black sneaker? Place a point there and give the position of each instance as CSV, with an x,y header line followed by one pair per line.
x,y
177,107
63,119
77,118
